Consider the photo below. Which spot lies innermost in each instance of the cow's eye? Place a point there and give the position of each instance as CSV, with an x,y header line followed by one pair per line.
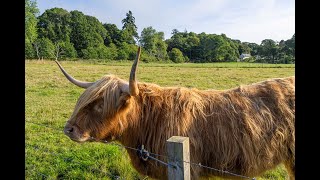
x,y
98,107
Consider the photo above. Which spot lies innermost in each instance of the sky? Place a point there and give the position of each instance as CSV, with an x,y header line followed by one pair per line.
x,y
245,20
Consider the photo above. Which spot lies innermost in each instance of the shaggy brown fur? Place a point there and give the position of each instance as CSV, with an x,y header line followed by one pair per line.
x,y
245,130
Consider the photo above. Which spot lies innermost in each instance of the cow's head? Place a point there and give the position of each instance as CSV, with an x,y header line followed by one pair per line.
x,y
100,109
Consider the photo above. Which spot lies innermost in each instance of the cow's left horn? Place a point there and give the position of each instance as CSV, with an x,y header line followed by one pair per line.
x,y
133,86
73,80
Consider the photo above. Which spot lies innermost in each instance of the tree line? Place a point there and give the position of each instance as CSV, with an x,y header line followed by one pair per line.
x,y
60,34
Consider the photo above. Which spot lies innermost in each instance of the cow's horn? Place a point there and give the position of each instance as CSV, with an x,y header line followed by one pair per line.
x,y
73,80
133,87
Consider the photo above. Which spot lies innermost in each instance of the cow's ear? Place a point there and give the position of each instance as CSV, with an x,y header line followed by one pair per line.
x,y
123,101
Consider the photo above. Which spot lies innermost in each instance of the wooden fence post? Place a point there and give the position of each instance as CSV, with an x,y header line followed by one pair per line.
x,y
178,151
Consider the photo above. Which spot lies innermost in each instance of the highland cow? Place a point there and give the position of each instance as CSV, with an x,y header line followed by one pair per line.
x,y
244,130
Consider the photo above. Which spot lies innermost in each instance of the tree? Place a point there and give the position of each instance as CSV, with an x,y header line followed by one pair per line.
x,y
87,32
79,32
269,50
96,27
153,42
58,50
54,24
187,43
254,48
29,51
64,50
31,34
113,35
286,52
291,44
244,48
129,29
148,39
191,44
217,48
44,48
174,31
31,12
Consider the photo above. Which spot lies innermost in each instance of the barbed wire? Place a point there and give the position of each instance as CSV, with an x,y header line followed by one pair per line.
x,y
159,155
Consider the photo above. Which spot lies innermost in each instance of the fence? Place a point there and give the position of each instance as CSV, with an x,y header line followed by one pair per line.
x,y
178,158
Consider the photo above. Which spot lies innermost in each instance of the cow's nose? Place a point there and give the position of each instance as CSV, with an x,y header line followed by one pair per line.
x,y
68,129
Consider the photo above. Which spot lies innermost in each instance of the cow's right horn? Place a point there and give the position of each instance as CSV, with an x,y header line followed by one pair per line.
x,y
133,86
73,80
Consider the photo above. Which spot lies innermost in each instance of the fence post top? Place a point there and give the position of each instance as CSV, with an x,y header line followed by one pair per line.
x,y
178,139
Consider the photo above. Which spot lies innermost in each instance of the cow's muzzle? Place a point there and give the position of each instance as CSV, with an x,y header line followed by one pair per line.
x,y
74,133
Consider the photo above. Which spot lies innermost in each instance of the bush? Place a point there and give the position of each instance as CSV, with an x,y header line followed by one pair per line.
x,y
146,57
176,55
250,59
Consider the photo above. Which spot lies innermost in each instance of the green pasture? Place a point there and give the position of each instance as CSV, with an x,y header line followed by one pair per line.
x,y
50,100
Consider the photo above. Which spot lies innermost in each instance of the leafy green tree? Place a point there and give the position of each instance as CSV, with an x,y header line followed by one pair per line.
x,y
29,52
44,48
269,50
89,53
98,30
114,35
160,47
217,48
254,47
129,29
69,50
153,42
87,32
174,31
99,52
31,34
31,12
244,48
79,34
176,55
286,51
177,40
187,43
64,50
148,39
291,44
54,24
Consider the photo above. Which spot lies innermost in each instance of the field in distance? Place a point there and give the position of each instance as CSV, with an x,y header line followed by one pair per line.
x,y
50,99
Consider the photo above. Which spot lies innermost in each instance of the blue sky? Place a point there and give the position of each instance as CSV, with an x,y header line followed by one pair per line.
x,y
245,20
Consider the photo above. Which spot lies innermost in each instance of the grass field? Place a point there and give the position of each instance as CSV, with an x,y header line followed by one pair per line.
x,y
50,100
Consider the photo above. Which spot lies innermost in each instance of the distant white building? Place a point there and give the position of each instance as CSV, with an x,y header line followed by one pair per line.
x,y
244,56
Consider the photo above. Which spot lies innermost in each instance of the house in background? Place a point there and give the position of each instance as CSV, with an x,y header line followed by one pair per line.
x,y
244,56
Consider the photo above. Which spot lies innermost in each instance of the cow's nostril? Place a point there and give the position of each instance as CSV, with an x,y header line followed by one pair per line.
x,y
69,129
